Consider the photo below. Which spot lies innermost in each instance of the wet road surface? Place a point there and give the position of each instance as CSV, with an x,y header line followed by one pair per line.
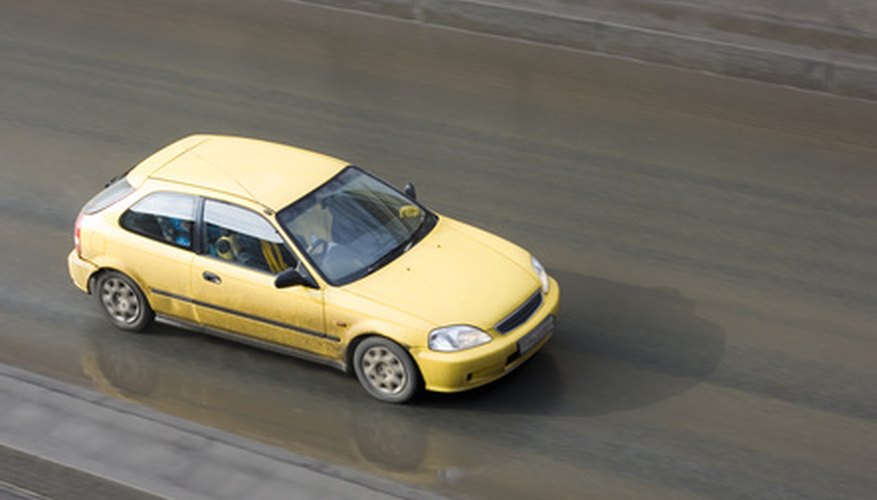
x,y
714,240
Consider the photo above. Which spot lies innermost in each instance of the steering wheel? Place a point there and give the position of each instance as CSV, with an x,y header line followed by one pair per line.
x,y
317,248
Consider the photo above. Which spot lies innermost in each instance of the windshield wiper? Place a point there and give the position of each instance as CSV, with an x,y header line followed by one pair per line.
x,y
425,226
422,230
386,259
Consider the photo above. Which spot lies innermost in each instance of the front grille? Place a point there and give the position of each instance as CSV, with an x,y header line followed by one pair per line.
x,y
520,315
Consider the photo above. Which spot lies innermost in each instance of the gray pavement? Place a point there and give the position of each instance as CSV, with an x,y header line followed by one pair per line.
x,y
62,441
27,477
823,45
715,240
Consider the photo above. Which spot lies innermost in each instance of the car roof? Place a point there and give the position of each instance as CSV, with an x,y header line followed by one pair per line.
x,y
268,173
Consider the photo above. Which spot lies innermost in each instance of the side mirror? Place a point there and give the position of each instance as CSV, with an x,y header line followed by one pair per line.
x,y
410,191
292,277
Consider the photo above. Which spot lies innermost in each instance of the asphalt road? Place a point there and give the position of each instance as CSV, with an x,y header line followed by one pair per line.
x,y
715,241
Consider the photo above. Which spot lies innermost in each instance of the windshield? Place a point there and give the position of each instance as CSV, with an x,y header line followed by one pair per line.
x,y
354,224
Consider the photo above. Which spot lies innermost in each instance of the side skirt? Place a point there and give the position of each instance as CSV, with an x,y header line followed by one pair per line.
x,y
251,341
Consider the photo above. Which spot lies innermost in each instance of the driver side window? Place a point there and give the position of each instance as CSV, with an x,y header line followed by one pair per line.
x,y
243,237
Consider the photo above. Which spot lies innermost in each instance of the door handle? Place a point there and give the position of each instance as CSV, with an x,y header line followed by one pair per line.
x,y
211,277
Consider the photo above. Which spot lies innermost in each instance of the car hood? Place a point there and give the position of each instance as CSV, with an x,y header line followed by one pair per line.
x,y
456,275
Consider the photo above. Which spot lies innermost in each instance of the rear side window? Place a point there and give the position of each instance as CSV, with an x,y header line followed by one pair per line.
x,y
166,217
114,192
243,237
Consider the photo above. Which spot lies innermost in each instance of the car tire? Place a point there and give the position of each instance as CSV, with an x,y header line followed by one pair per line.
x,y
123,301
386,370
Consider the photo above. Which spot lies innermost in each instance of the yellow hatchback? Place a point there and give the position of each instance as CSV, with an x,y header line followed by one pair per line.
x,y
305,254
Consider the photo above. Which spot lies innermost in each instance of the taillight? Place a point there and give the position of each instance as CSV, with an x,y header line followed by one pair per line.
x,y
77,240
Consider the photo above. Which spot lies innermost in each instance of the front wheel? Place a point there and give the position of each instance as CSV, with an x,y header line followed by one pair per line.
x,y
385,370
123,301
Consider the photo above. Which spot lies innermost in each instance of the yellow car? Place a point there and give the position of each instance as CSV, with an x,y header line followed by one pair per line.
x,y
305,254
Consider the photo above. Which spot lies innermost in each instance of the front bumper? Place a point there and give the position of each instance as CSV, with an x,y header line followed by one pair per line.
x,y
459,371
80,270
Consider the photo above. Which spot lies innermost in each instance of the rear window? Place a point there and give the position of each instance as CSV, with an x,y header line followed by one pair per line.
x,y
114,192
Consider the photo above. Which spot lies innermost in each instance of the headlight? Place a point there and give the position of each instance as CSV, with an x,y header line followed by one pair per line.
x,y
456,338
540,271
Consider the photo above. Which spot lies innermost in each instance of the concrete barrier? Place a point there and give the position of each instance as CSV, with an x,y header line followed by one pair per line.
x,y
162,455
794,51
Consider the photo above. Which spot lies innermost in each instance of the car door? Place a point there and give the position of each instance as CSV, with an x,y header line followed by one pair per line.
x,y
233,283
158,245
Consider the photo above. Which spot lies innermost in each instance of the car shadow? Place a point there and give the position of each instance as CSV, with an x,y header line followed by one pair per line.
x,y
617,347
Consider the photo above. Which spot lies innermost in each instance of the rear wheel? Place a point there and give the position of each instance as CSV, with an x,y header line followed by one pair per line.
x,y
123,301
385,370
